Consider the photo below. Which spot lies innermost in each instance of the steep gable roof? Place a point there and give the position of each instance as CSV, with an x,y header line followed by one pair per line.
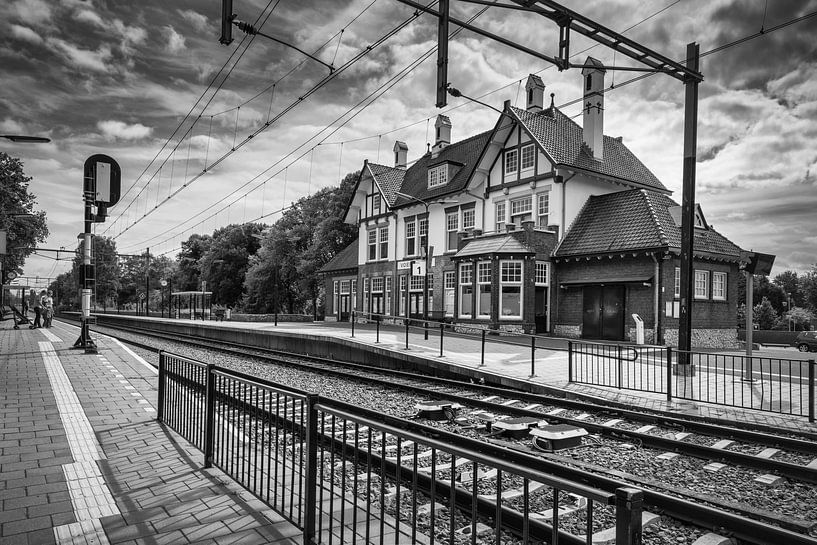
x,y
389,179
562,140
343,260
465,153
632,220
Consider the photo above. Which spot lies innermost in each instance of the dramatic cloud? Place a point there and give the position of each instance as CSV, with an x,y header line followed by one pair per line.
x,y
175,41
119,78
26,34
123,131
196,19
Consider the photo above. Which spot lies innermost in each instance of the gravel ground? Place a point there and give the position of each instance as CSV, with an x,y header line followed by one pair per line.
x,y
793,499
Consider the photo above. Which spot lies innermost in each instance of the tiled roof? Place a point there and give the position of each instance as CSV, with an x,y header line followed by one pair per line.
x,y
344,259
562,139
505,244
636,219
466,152
389,179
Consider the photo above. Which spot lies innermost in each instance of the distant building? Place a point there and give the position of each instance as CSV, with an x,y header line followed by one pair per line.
x,y
538,225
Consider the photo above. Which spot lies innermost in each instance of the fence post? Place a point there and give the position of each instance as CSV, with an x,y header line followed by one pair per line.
x,y
532,356
353,324
482,350
811,390
377,327
209,415
311,492
407,331
618,357
669,373
629,502
425,331
570,361
442,334
160,410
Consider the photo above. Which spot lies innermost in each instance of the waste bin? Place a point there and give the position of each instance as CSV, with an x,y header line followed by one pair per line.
x,y
639,329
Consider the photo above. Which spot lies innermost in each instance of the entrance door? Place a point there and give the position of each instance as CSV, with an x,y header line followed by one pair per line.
x,y
416,305
603,313
541,309
343,307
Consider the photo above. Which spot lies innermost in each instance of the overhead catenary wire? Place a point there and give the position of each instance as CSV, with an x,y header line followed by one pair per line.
x,y
365,102
631,80
189,130
320,84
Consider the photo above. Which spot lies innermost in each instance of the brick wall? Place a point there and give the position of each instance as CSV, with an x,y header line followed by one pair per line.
x,y
706,314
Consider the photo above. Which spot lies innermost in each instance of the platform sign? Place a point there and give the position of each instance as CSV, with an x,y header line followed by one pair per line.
x,y
418,268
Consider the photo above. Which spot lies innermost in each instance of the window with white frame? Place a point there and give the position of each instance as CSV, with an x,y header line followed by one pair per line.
x,y
511,162
335,288
354,293
384,243
437,176
543,209
411,236
719,286
528,157
520,210
344,287
542,277
677,291
377,294
365,294
501,217
449,285
701,284
401,304
372,234
466,290
510,289
387,308
416,283
422,228
468,218
430,280
484,289
452,225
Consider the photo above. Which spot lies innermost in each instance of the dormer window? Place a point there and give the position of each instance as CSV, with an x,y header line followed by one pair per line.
x,y
699,222
437,176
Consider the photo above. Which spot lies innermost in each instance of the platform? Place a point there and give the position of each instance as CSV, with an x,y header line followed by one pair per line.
x,y
83,460
510,359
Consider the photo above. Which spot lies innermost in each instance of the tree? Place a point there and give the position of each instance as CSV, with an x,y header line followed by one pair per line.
x,y
284,275
188,269
790,284
224,265
66,290
766,289
108,271
22,233
765,316
799,318
808,288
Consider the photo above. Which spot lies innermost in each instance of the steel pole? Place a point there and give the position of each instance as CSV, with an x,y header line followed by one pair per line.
x,y
688,212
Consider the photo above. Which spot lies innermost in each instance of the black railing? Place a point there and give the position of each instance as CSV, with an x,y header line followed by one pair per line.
x,y
344,474
776,385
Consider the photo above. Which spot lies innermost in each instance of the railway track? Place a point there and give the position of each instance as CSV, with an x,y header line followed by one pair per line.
x,y
751,525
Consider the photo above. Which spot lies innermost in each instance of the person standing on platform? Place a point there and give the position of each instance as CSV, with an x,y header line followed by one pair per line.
x,y
48,309
38,310
32,300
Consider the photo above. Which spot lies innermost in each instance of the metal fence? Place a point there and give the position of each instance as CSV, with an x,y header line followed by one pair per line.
x,y
344,474
777,385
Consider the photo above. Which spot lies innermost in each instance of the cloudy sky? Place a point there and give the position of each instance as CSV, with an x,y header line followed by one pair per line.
x,y
133,80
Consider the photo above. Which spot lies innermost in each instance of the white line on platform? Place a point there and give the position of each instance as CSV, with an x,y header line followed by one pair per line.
x,y
49,335
90,496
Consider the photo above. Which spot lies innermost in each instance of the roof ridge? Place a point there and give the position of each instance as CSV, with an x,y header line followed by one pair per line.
x,y
662,235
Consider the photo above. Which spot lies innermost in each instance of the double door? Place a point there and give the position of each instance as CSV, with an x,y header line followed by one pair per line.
x,y
603,312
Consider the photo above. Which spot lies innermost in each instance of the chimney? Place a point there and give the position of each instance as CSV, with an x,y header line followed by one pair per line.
x,y
535,89
400,154
442,133
593,126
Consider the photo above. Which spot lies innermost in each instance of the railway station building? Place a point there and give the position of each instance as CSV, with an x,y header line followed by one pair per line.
x,y
539,225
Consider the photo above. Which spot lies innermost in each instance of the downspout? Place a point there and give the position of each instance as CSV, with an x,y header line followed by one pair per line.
x,y
657,295
552,286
